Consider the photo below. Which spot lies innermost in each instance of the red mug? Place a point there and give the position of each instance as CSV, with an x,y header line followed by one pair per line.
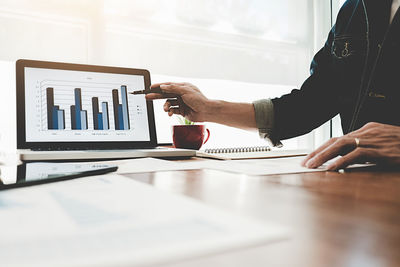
x,y
189,136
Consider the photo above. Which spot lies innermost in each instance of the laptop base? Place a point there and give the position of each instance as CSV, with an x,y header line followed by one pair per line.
x,y
160,152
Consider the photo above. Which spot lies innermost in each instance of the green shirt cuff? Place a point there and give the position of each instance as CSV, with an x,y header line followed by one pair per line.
x,y
264,110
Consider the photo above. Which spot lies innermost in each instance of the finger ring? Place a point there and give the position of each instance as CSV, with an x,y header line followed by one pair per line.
x,y
357,140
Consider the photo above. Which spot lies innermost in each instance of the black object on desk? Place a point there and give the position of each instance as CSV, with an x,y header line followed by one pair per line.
x,y
36,173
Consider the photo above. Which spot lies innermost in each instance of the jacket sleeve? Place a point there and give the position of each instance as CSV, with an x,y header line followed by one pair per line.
x,y
264,111
303,110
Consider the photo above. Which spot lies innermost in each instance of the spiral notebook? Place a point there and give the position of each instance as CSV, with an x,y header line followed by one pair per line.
x,y
249,153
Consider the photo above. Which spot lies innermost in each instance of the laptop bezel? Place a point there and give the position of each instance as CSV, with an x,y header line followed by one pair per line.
x,y
78,145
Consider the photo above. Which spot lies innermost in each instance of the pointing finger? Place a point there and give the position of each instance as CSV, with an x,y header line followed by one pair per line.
x,y
155,96
155,85
174,89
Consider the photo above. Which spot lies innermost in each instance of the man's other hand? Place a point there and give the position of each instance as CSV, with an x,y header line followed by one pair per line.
x,y
377,143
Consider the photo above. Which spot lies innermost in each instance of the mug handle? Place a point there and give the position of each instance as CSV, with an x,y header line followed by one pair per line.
x,y
208,136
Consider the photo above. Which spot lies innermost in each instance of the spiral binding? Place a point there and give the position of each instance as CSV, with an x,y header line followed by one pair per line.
x,y
238,149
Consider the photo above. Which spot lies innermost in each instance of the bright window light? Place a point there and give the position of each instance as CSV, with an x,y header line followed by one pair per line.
x,y
239,50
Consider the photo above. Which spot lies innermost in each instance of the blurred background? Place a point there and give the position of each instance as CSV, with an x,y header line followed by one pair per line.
x,y
239,50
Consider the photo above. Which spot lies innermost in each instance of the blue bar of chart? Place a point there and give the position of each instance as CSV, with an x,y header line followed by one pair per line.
x,y
104,116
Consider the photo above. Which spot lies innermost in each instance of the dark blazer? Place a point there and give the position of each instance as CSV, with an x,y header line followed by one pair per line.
x,y
356,74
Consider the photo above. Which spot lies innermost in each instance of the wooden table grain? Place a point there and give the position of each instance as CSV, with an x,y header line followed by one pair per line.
x,y
335,219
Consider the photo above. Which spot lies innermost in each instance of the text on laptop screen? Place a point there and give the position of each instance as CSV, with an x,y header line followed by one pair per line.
x,y
73,106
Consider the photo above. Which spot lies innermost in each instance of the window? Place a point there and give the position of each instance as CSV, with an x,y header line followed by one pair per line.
x,y
225,47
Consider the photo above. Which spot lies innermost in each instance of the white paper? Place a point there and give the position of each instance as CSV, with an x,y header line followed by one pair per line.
x,y
273,166
269,166
111,220
249,167
151,165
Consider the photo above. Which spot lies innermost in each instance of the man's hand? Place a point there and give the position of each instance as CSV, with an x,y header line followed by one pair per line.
x,y
184,99
378,143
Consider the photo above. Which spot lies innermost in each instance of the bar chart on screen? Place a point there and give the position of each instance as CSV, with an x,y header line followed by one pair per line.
x,y
74,117
85,106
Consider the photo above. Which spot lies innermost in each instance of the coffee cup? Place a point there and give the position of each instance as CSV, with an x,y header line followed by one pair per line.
x,y
190,136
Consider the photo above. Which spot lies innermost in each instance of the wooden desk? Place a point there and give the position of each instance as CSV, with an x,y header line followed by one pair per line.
x,y
336,219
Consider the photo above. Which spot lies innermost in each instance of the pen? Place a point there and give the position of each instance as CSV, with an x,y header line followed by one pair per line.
x,y
156,90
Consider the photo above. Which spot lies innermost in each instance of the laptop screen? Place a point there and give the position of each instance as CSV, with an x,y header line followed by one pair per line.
x,y
66,105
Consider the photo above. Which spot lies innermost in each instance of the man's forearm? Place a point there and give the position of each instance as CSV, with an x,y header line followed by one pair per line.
x,y
240,115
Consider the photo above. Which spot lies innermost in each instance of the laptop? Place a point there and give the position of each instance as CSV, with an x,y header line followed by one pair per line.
x,y
78,112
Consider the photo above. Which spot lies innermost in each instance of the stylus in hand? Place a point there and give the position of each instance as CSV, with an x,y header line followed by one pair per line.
x,y
156,90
